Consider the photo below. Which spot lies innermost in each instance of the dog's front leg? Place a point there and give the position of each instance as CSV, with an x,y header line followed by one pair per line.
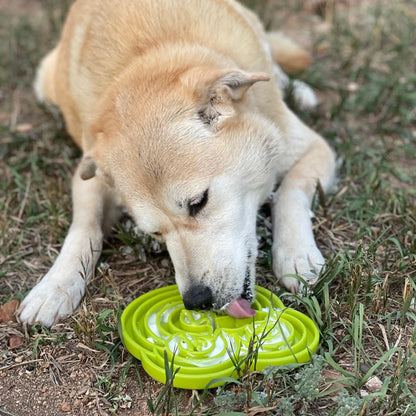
x,y
294,248
61,289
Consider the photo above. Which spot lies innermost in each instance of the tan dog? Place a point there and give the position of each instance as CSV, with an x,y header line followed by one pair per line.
x,y
174,105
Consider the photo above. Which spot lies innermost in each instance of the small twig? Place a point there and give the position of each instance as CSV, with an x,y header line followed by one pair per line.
x,y
5,412
81,345
383,331
22,207
396,344
7,367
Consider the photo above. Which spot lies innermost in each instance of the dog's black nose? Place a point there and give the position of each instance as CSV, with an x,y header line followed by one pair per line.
x,y
198,297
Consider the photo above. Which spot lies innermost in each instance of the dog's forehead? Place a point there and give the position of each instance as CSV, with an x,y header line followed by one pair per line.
x,y
171,151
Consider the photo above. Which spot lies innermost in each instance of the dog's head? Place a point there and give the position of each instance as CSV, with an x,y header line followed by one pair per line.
x,y
192,162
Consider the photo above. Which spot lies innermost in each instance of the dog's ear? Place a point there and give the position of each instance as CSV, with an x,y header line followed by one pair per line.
x,y
218,90
87,167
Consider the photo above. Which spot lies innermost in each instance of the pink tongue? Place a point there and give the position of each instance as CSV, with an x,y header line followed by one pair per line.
x,y
240,308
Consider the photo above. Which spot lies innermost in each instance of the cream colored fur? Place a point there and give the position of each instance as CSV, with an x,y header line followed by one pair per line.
x,y
173,101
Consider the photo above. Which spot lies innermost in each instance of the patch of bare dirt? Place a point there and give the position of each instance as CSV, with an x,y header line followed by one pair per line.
x,y
59,383
69,378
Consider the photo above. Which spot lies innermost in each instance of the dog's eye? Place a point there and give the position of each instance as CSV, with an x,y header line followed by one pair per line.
x,y
197,204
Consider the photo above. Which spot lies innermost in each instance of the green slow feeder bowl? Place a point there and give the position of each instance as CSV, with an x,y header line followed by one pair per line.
x,y
201,342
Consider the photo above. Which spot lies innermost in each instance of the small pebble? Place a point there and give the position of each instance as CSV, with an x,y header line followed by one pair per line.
x,y
65,407
373,384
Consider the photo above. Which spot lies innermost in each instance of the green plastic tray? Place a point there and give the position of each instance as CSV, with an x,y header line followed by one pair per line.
x,y
201,342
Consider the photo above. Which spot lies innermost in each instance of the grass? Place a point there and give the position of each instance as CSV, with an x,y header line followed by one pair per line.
x,y
364,72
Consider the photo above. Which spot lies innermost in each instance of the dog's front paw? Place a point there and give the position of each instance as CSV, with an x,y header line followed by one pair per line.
x,y
290,264
51,300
